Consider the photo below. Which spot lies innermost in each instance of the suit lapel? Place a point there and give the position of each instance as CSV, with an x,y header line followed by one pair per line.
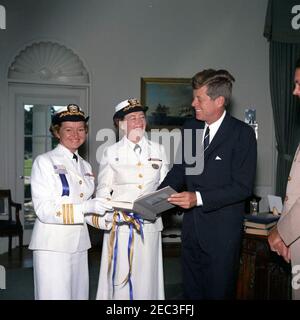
x,y
220,136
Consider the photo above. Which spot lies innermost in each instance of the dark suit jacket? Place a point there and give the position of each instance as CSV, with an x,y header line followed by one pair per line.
x,y
226,181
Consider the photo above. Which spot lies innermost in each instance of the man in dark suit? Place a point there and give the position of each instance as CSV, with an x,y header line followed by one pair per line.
x,y
214,200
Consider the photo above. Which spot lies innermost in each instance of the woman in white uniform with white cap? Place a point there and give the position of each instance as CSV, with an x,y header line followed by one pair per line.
x,y
130,168
62,184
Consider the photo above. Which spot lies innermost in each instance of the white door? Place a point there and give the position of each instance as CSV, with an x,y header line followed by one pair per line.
x,y
34,105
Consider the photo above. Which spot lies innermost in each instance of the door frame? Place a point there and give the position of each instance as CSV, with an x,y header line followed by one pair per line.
x,y
45,94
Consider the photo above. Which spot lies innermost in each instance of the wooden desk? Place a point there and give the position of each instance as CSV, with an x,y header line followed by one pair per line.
x,y
263,274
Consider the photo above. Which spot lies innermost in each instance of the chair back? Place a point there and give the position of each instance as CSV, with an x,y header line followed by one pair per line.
x,y
5,205
10,227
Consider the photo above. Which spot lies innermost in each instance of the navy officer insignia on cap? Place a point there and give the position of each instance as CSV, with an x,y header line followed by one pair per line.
x,y
70,113
128,106
132,103
73,110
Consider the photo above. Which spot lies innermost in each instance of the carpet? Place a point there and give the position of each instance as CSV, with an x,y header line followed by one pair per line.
x,y
19,285
19,282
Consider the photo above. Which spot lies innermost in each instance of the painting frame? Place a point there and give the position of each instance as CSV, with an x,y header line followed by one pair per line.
x,y
168,101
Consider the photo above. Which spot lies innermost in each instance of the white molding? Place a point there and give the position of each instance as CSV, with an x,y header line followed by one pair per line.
x,y
48,61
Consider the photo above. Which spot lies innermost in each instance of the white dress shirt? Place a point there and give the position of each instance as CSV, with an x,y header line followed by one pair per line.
x,y
213,128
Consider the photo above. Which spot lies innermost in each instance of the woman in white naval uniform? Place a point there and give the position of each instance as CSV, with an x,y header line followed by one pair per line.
x,y
124,175
62,184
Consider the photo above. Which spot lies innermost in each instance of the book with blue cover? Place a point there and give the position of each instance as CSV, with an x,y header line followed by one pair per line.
x,y
263,218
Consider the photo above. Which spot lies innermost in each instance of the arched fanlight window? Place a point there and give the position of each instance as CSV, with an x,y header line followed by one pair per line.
x,y
48,62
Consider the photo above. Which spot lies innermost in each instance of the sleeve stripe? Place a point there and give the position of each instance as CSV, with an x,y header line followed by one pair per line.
x,y
72,214
95,221
68,213
64,213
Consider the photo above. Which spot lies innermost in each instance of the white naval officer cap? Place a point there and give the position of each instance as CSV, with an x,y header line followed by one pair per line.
x,y
128,106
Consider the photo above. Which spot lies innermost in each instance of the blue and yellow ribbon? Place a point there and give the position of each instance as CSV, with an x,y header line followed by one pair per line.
x,y
135,222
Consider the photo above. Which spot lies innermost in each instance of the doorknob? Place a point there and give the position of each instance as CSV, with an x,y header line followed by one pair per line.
x,y
21,177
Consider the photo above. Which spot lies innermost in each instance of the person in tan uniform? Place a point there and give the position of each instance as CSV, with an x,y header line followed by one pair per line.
x,y
285,237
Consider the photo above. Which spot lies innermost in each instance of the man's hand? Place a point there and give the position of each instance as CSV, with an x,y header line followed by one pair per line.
x,y
277,245
185,200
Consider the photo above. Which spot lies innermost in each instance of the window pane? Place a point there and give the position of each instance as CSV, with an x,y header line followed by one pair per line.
x,y
37,140
28,119
27,191
27,147
54,142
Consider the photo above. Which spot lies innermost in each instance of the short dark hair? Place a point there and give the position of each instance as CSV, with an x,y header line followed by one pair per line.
x,y
297,64
218,82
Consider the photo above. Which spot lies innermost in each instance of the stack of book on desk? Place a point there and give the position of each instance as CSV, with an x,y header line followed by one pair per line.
x,y
260,224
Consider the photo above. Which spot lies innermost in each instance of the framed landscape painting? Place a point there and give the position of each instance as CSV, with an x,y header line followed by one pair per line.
x,y
169,101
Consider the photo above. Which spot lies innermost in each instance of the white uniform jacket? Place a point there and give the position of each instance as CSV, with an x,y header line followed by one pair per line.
x,y
60,224
124,175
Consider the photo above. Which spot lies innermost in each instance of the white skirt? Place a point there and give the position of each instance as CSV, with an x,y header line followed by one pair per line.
x,y
147,268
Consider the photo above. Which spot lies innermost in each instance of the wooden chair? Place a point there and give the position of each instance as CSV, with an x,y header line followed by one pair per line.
x,y
10,227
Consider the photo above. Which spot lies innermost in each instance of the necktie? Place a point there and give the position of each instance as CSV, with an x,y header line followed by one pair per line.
x,y
75,157
206,138
137,149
